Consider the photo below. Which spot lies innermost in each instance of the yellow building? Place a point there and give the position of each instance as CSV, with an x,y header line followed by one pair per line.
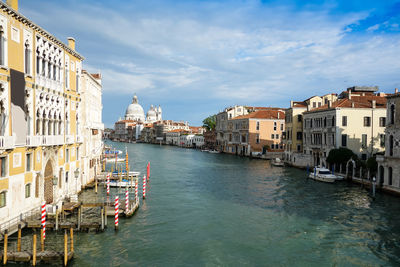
x,y
40,115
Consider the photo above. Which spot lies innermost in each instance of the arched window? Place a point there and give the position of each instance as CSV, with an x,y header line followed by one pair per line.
x,y
390,175
27,58
391,143
54,70
392,110
2,46
37,61
44,65
381,175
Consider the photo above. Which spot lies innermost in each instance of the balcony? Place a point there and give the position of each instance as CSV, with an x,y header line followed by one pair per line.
x,y
69,139
7,142
52,140
34,140
79,139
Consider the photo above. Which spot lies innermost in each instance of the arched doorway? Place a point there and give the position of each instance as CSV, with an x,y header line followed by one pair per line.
x,y
48,183
350,169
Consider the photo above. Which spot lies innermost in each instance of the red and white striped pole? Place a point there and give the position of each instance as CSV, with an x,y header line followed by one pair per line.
x,y
144,186
116,212
126,200
136,189
44,219
108,184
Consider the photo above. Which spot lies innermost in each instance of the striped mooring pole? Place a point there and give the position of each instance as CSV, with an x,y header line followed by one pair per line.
x,y
44,219
144,186
136,189
108,184
116,212
126,200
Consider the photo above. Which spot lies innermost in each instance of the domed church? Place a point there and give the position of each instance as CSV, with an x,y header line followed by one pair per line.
x,y
135,112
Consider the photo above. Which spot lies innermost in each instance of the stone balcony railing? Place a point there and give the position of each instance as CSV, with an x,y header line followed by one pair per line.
x,y
7,142
34,140
69,139
52,140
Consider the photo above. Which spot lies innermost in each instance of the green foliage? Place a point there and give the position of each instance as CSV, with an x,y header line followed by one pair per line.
x,y
210,122
340,155
372,165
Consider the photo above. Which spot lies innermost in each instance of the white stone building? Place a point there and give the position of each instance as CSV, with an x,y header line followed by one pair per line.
x,y
389,164
93,126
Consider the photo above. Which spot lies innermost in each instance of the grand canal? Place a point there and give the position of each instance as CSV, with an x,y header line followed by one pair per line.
x,y
215,209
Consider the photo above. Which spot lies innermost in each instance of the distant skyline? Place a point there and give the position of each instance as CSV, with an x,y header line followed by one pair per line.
x,y
195,58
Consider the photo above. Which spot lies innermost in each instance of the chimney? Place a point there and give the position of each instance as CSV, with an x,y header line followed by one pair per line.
x,y
278,114
349,94
13,4
396,90
373,103
71,43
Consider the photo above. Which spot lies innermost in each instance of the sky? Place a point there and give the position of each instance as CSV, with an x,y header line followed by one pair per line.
x,y
194,58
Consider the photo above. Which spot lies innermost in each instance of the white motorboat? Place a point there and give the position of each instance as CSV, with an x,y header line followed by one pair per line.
x,y
214,151
205,150
277,162
112,160
323,175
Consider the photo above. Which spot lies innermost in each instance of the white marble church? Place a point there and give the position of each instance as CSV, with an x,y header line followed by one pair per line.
x,y
135,112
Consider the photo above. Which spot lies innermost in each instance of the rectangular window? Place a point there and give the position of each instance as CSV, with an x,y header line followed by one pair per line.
x,y
299,135
298,148
257,139
344,140
27,60
367,121
281,126
344,120
28,162
2,48
382,122
274,125
258,126
3,198
27,190
272,136
314,104
66,176
299,118
277,136
3,166
319,104
77,153
364,140
67,155
382,140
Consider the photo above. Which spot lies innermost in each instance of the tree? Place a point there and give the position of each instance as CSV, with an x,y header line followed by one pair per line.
x,y
340,155
210,122
372,165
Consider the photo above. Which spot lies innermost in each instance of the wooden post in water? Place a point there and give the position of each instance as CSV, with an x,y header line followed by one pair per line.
x,y
79,217
34,249
72,239
95,185
116,212
65,248
41,240
56,218
19,238
105,215
102,218
5,247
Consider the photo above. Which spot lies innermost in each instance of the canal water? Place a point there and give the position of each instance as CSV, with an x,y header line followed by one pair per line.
x,y
207,209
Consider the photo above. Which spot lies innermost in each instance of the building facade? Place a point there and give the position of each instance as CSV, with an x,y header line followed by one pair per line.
x,y
293,137
93,126
41,119
355,121
259,131
389,164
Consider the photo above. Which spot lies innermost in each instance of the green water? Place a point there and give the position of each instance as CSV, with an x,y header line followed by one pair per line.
x,y
214,209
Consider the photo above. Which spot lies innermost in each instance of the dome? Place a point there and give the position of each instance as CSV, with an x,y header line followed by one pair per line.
x,y
135,111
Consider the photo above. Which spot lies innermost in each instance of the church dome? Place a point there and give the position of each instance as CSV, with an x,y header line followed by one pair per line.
x,y
135,111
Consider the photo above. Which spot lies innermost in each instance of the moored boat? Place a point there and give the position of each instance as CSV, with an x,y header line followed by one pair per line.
x,y
323,175
277,162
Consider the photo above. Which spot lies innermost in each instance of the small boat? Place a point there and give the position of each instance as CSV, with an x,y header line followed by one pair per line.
x,y
213,151
113,160
277,162
323,175
205,150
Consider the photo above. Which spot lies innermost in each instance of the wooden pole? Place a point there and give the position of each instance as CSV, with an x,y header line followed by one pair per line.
x,y
41,240
57,218
95,185
5,247
72,239
65,248
34,250
19,238
79,218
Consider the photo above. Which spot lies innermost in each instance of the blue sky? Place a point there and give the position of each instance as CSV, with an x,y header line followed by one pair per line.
x,y
196,57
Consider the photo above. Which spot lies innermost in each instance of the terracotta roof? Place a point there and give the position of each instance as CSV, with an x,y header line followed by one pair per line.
x,y
263,114
96,75
355,102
